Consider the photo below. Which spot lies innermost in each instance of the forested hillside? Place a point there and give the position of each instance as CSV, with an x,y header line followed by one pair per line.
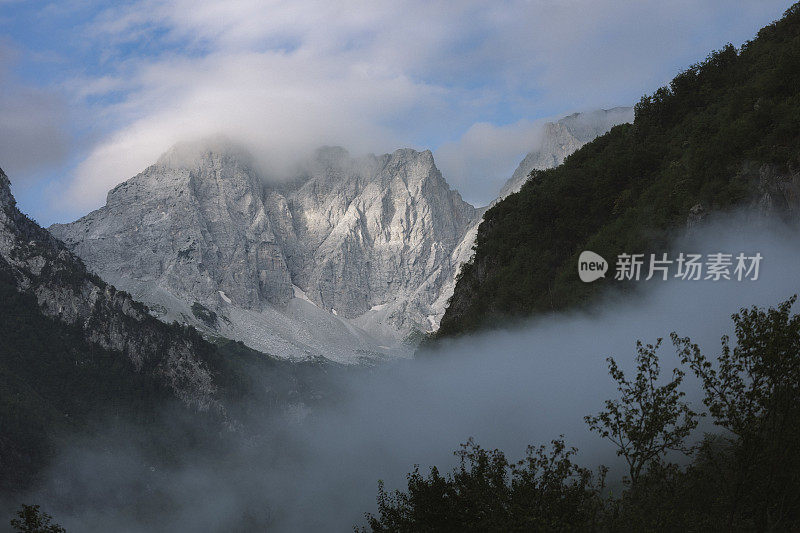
x,y
724,133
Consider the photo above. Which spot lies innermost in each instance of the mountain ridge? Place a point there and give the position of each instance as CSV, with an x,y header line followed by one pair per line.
x,y
64,289
349,258
366,241
722,135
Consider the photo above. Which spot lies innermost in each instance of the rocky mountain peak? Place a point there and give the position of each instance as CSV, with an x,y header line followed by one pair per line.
x,y
343,258
331,156
361,245
41,266
197,154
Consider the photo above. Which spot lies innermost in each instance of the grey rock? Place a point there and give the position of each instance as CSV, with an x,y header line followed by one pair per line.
x,y
779,191
344,259
697,214
368,241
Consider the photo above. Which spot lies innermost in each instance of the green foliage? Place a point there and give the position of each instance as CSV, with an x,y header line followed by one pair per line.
x,y
744,479
701,140
753,391
30,519
648,419
544,491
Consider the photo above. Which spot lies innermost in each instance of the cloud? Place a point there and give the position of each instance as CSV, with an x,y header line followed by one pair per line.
x,y
506,388
285,76
33,133
485,156
276,104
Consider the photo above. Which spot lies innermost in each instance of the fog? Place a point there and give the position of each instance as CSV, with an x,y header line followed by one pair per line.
x,y
318,470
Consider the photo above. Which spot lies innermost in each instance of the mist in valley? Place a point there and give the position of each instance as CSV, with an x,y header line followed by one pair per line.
x,y
317,468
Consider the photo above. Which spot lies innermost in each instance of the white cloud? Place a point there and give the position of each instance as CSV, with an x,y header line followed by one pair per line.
x,y
32,124
283,76
278,105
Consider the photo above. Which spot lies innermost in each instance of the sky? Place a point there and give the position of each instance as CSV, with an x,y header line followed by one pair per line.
x,y
92,92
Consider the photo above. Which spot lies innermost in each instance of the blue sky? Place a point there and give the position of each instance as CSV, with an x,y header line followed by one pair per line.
x,y
92,92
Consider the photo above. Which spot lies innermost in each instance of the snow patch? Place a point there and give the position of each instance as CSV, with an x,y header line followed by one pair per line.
x,y
224,297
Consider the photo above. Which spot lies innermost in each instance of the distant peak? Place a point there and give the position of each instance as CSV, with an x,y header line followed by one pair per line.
x,y
413,152
590,124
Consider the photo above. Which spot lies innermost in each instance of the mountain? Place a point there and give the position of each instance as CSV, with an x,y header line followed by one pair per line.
x,y
349,258
74,349
559,140
724,134
562,138
79,357
345,259
39,265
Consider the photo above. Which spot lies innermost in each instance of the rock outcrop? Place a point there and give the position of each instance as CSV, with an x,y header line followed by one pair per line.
x,y
344,259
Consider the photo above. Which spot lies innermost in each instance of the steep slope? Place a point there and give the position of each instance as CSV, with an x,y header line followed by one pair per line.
x,y
343,260
724,133
559,140
75,351
41,266
562,138
78,357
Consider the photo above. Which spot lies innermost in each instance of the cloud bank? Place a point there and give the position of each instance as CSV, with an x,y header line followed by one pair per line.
x,y
507,389
468,78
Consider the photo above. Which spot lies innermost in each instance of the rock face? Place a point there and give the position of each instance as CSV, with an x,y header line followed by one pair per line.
x,y
194,231
342,260
562,138
345,259
43,267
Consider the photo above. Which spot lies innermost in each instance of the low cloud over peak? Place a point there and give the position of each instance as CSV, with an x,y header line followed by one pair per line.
x,y
285,77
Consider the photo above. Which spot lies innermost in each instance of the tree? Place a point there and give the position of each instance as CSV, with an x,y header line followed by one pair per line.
x,y
545,491
753,391
30,519
648,420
